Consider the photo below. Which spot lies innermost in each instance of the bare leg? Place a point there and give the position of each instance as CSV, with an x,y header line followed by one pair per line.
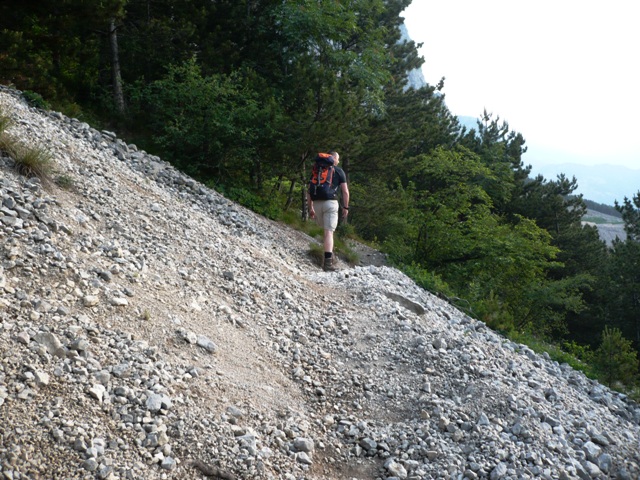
x,y
328,241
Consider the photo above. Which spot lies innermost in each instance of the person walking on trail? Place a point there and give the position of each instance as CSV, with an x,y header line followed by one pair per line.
x,y
327,180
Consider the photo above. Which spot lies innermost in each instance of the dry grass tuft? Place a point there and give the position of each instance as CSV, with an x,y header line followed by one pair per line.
x,y
29,161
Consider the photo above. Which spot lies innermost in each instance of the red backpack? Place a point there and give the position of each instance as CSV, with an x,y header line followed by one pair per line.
x,y
321,184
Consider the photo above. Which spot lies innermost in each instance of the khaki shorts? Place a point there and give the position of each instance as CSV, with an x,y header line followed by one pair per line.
x,y
326,213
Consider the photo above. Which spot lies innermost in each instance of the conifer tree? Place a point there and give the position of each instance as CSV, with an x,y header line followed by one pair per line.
x,y
616,360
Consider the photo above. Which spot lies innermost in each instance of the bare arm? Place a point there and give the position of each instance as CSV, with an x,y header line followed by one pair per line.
x,y
312,212
344,188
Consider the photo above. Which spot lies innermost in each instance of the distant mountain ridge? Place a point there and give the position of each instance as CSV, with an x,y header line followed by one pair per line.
x,y
609,227
600,183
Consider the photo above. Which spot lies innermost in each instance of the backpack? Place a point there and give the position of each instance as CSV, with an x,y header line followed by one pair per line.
x,y
320,185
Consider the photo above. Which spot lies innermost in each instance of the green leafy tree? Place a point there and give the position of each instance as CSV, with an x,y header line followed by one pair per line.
x,y
615,358
499,267
209,126
501,150
413,122
47,47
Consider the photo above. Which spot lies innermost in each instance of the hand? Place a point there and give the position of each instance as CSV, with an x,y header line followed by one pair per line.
x,y
345,212
312,213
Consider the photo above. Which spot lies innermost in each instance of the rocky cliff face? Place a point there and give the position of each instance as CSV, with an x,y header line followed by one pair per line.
x,y
152,329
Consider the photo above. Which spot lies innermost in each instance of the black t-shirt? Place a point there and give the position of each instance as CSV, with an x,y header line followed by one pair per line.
x,y
339,178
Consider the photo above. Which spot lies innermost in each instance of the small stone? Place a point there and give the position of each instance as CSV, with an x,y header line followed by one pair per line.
x,y
118,301
301,444
50,342
483,420
207,344
41,378
23,337
498,472
395,469
90,301
368,444
168,463
97,391
304,458
90,464
156,402
440,343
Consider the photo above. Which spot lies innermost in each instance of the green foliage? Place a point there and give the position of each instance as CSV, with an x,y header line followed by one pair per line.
x,y
630,212
577,356
346,230
66,182
35,100
621,288
428,280
493,310
498,267
382,213
342,248
581,352
313,230
349,255
261,204
615,359
211,127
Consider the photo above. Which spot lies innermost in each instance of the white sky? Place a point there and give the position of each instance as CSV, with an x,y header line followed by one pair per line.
x,y
564,73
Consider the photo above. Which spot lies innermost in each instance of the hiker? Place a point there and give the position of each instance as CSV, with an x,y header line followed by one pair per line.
x,y
322,198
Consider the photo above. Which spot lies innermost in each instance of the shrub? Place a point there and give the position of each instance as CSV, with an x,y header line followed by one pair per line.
x,y
35,100
615,359
255,202
346,230
65,182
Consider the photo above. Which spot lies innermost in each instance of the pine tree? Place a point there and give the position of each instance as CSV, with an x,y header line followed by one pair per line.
x,y
616,359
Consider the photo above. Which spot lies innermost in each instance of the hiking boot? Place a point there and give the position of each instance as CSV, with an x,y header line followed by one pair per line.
x,y
329,265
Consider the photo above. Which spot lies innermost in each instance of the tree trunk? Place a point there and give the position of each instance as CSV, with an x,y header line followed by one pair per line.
x,y
290,195
118,96
277,187
259,174
305,207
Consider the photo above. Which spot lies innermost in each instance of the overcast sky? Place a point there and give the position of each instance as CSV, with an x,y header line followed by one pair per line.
x,y
564,73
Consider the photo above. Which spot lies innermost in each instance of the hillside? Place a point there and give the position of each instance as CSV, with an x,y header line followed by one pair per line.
x,y
609,227
600,183
152,329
